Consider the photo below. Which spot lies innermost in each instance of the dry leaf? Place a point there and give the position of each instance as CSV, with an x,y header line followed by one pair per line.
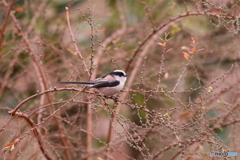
x,y
71,51
12,148
168,50
185,48
19,9
9,144
193,50
160,38
186,56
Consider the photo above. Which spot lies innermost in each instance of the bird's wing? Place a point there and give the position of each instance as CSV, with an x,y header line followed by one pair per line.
x,y
109,77
105,83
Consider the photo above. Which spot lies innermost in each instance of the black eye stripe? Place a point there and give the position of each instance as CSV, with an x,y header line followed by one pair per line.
x,y
117,73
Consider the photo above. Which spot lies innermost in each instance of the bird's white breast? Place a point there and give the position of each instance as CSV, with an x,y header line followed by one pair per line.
x,y
109,91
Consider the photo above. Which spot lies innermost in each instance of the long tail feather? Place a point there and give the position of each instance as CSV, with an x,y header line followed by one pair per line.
x,y
84,83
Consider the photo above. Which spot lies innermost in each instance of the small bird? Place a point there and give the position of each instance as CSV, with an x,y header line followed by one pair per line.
x,y
107,85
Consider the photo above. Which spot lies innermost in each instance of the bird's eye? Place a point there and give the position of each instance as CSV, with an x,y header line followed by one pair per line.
x,y
120,74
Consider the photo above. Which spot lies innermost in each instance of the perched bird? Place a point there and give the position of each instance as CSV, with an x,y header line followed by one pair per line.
x,y
107,85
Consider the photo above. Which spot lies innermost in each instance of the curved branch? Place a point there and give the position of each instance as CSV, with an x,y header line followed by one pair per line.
x,y
167,23
41,93
35,132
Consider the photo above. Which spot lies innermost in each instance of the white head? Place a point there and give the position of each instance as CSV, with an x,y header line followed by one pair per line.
x,y
120,75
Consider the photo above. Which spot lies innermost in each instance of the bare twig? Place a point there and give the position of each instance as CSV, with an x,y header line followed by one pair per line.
x,y
40,73
106,42
40,9
109,39
55,103
139,61
74,42
2,30
149,15
167,23
36,133
45,92
9,72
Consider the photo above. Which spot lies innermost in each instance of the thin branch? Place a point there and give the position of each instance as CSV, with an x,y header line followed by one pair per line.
x,y
74,42
104,45
140,59
167,23
149,15
9,72
38,12
55,103
181,75
36,133
109,39
44,92
2,30
102,48
42,78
